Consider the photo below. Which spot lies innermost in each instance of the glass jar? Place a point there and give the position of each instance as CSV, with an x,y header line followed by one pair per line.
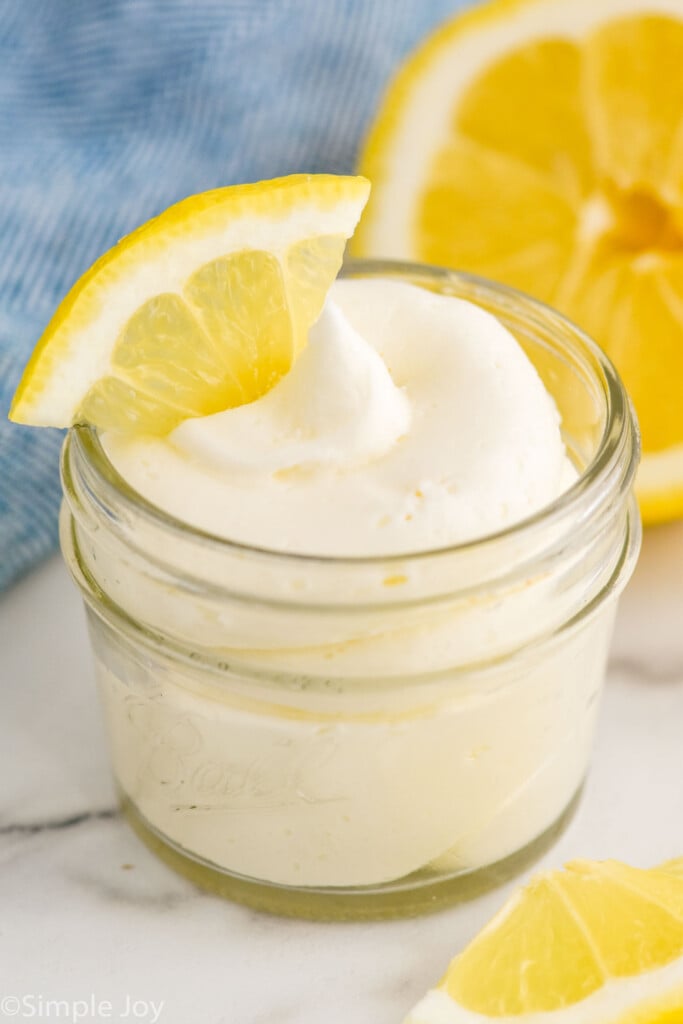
x,y
362,737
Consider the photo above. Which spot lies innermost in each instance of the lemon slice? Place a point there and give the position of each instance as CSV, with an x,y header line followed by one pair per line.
x,y
201,309
597,943
540,143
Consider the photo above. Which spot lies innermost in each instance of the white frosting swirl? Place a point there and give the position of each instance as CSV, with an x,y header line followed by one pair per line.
x,y
411,421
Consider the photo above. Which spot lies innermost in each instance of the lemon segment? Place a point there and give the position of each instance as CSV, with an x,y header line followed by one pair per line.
x,y
535,248
512,968
634,101
540,143
201,309
545,77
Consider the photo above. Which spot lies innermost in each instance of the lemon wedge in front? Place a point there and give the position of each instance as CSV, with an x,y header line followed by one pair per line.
x,y
597,943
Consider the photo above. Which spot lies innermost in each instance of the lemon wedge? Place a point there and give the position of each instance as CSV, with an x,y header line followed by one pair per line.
x,y
597,943
202,308
540,143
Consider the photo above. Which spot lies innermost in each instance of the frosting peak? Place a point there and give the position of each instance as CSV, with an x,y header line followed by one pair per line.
x,y
338,407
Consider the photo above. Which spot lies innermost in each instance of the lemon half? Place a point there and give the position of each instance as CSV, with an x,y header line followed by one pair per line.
x,y
540,143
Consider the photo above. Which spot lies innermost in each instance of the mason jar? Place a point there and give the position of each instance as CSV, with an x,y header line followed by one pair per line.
x,y
362,737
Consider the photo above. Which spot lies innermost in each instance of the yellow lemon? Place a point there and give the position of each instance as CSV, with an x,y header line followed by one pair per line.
x,y
203,308
597,943
540,143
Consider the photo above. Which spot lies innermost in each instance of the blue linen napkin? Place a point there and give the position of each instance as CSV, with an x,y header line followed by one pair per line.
x,y
110,110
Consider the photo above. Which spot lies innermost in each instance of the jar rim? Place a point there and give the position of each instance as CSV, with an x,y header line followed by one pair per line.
x,y
583,495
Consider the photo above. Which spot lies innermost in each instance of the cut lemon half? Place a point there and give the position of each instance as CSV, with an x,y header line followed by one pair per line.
x,y
597,943
540,143
201,309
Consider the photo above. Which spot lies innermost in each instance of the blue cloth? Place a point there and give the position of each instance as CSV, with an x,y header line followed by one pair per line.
x,y
110,110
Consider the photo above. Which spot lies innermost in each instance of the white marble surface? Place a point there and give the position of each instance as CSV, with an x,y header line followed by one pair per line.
x,y
89,917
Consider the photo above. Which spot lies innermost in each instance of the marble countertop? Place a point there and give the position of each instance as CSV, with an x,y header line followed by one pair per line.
x,y
89,917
